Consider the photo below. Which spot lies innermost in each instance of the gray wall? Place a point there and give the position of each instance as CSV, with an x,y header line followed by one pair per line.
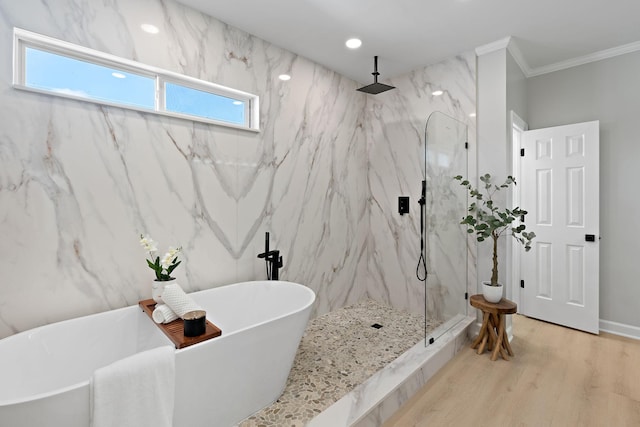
x,y
516,102
609,91
516,91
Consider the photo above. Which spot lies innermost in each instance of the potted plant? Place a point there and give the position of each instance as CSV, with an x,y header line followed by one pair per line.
x,y
162,267
490,221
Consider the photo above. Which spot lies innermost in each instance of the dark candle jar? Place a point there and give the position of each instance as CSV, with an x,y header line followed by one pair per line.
x,y
195,323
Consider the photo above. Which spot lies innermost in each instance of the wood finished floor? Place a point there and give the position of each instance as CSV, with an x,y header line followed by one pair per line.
x,y
558,377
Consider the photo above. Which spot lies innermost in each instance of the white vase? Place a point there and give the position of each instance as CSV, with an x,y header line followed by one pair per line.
x,y
157,288
492,293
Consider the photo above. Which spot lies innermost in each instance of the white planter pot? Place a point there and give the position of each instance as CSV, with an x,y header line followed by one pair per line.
x,y
492,293
157,288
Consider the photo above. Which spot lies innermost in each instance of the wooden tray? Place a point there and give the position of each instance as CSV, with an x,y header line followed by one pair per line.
x,y
175,330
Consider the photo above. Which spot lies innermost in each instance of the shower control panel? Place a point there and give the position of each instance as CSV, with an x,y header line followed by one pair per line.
x,y
403,205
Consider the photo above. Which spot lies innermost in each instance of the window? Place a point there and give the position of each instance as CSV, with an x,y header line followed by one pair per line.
x,y
52,72
186,100
46,65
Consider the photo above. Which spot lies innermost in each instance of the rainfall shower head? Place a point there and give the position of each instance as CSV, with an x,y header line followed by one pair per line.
x,y
375,87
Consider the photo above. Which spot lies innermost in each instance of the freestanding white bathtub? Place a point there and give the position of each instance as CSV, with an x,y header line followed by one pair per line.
x,y
45,372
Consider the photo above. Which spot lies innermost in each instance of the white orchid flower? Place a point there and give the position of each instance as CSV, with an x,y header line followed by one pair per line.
x,y
164,267
169,256
148,244
166,261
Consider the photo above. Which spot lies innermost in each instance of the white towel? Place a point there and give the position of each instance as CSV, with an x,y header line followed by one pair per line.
x,y
163,314
135,391
177,300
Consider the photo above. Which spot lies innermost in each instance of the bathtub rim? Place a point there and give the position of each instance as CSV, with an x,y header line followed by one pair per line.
x,y
61,390
78,385
306,305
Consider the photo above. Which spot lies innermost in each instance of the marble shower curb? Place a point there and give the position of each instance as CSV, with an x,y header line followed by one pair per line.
x,y
378,398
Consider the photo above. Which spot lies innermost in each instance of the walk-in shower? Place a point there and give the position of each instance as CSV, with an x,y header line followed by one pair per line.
x,y
357,364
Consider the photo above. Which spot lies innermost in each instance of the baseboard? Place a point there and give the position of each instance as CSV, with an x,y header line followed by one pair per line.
x,y
621,329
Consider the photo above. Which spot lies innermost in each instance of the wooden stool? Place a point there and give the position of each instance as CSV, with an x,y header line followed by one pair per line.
x,y
493,331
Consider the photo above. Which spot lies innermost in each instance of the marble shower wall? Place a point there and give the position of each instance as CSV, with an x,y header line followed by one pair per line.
x,y
79,182
395,123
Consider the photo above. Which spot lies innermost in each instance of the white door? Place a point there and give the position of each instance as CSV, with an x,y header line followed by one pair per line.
x,y
559,180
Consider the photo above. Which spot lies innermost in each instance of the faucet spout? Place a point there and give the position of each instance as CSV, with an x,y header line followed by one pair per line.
x,y
269,255
272,259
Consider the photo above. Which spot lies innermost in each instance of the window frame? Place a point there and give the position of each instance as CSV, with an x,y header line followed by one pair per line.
x,y
23,39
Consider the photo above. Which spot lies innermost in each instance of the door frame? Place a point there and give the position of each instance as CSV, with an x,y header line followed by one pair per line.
x,y
517,127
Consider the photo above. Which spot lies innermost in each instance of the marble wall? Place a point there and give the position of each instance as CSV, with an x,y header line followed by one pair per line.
x,y
79,182
395,122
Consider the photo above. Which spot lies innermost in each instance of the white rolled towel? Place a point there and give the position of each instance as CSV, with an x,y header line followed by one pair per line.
x,y
177,300
163,314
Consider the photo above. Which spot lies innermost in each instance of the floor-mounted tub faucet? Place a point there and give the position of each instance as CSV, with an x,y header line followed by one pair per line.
x,y
272,259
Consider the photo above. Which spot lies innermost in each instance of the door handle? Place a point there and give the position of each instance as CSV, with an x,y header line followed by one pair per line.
x,y
589,237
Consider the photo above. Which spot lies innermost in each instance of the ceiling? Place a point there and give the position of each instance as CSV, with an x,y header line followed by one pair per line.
x,y
410,34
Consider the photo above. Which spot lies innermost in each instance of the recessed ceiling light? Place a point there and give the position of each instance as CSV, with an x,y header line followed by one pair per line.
x,y
353,43
437,93
284,77
472,115
151,29
118,75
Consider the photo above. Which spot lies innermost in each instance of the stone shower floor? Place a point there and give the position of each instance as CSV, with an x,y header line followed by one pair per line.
x,y
338,352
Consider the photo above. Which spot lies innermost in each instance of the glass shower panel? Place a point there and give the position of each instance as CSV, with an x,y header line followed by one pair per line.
x,y
445,238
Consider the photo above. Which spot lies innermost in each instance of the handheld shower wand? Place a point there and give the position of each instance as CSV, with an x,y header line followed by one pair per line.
x,y
421,269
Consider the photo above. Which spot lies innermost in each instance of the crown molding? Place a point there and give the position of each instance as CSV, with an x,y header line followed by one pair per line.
x,y
593,57
511,45
493,46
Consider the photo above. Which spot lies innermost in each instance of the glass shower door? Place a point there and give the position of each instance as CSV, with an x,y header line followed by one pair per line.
x,y
445,238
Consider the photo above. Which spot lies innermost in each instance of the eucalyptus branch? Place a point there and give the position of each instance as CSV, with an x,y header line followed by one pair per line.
x,y
487,220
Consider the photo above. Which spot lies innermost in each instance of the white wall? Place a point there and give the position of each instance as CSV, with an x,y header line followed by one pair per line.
x,y
493,150
501,89
395,123
608,91
80,182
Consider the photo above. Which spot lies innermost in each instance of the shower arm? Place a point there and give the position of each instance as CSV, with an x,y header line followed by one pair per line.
x,y
375,69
